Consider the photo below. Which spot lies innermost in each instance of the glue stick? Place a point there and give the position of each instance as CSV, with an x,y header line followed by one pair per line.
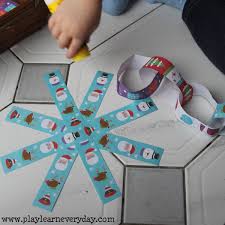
x,y
83,52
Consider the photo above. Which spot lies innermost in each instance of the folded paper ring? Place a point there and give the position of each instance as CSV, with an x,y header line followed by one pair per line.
x,y
162,68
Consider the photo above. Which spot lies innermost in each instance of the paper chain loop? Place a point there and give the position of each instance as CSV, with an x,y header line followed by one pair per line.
x,y
159,68
79,134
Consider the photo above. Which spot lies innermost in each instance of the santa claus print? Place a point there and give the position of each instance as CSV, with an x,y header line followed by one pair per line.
x,y
91,157
126,147
49,124
63,162
124,115
95,95
61,94
48,147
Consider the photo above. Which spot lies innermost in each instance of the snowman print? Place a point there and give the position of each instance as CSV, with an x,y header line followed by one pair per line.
x,y
53,79
70,137
124,115
148,153
48,147
144,106
103,79
61,94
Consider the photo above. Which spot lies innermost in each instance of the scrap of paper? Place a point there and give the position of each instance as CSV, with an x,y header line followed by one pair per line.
x,y
6,6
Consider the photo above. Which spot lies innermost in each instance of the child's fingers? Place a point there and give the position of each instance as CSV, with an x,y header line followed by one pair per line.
x,y
51,23
56,31
64,41
74,47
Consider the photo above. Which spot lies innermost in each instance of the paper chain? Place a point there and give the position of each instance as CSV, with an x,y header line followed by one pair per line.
x,y
79,133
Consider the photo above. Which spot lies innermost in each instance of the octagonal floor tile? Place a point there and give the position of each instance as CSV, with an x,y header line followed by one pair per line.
x,y
151,36
42,48
19,188
31,87
10,68
205,185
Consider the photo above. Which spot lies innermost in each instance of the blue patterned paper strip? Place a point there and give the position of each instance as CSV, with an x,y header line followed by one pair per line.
x,y
95,95
54,182
36,121
92,158
32,153
130,148
124,115
220,111
79,133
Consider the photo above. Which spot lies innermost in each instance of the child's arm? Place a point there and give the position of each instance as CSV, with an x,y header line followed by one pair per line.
x,y
73,23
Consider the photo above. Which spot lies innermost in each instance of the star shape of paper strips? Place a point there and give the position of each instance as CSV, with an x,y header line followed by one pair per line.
x,y
79,133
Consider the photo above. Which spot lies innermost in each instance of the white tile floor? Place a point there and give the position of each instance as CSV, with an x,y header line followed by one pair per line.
x,y
31,74
149,32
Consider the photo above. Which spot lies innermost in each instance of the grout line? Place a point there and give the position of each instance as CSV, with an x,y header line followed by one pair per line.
x,y
67,74
123,194
195,157
121,162
20,76
16,55
153,167
125,28
47,63
18,82
5,107
185,199
34,103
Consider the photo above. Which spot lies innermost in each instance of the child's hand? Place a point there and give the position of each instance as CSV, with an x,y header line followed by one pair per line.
x,y
73,23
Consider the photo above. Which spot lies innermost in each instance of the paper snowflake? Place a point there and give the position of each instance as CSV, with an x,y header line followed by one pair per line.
x,y
79,133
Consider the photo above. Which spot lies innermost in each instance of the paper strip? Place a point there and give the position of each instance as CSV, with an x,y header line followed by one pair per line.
x,y
130,148
77,136
87,148
124,115
30,154
95,94
36,121
54,182
220,111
